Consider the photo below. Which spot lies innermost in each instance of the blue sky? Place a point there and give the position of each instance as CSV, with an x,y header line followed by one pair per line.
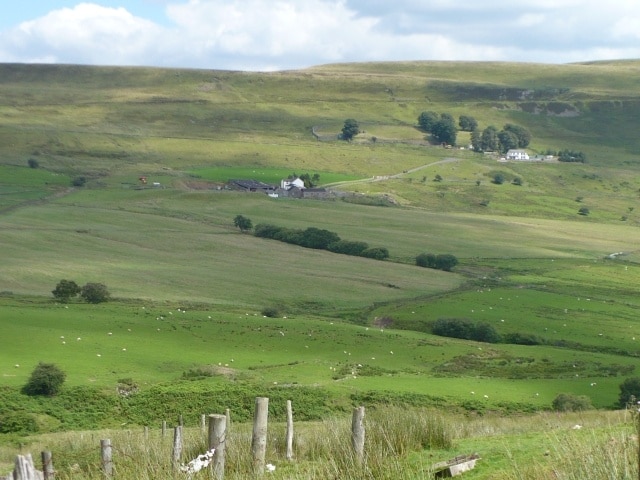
x,y
287,34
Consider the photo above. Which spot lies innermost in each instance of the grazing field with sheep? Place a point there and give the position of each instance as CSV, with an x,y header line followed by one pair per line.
x,y
120,176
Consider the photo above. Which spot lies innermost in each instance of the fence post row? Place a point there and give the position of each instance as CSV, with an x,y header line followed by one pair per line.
x,y
259,438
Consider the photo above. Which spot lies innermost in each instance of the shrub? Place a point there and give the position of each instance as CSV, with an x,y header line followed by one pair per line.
x,y
33,163
264,230
95,293
446,262
18,422
378,253
65,289
584,211
79,181
567,402
348,247
426,260
46,379
465,329
498,179
270,312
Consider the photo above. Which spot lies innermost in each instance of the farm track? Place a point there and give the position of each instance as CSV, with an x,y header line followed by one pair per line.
x,y
40,201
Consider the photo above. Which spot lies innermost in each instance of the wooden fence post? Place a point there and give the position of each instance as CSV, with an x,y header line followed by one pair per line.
x,y
357,433
177,446
203,423
107,459
227,413
217,439
289,453
24,469
146,433
164,428
181,421
259,439
47,466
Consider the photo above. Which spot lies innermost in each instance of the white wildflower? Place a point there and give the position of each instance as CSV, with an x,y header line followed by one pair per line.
x,y
270,467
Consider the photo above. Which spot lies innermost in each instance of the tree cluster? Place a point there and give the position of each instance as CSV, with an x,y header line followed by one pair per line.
x,y
444,262
465,329
567,402
491,140
571,156
442,127
320,239
310,181
91,292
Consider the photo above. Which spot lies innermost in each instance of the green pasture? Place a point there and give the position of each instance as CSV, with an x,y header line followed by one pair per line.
x,y
152,342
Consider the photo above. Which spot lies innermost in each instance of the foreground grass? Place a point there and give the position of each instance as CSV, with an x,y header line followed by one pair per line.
x,y
399,443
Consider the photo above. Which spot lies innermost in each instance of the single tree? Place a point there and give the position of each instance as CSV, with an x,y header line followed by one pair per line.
x,y
437,178
498,179
426,260
95,293
65,289
33,163
46,379
350,129
243,223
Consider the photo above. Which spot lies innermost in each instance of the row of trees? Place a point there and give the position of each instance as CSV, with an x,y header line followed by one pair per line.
x,y
91,292
320,239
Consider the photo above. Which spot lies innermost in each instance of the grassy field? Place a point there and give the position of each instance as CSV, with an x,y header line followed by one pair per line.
x,y
190,289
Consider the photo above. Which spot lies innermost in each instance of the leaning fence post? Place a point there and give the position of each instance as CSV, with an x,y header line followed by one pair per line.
x,y
289,453
217,439
107,459
177,446
357,433
47,466
259,439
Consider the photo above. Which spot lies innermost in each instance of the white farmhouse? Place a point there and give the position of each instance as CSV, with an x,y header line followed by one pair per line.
x,y
517,155
288,183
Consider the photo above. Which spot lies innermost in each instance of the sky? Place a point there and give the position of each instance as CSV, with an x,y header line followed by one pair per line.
x,y
271,35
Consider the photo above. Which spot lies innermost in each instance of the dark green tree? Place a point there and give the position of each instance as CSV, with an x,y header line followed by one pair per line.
x,y
427,120
446,262
489,141
95,293
426,260
584,211
65,289
350,129
467,123
507,141
629,392
523,135
445,130
498,178
33,163
377,253
243,223
46,379
318,238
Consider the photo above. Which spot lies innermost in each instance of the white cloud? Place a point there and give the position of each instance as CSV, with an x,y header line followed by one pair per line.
x,y
276,34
